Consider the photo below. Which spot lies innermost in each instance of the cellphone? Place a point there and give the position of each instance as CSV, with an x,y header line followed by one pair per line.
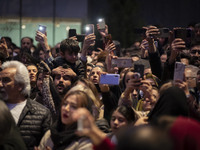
x,y
122,62
80,123
101,23
179,71
183,33
72,32
42,28
164,33
140,69
140,31
80,37
186,34
89,29
136,75
111,79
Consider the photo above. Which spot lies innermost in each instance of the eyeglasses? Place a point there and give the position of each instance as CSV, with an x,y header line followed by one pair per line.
x,y
194,51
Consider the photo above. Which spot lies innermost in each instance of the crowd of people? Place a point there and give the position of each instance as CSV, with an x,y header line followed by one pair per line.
x,y
52,97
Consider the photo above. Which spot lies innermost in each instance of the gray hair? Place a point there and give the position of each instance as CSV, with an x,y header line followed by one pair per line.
x,y
21,76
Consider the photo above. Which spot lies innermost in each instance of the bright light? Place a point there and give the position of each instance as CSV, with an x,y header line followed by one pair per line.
x,y
100,20
41,28
23,26
67,28
87,28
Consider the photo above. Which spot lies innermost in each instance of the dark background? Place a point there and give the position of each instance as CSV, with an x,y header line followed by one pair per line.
x,y
122,16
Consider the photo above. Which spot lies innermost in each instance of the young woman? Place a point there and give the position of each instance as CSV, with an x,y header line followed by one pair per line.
x,y
121,117
62,134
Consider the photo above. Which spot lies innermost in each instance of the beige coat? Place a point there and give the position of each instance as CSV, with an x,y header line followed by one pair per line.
x,y
82,144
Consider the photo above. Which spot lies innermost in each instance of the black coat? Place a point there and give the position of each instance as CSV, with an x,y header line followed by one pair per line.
x,y
34,121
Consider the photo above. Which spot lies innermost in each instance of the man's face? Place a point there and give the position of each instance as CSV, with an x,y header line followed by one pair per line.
x,y
8,88
62,83
195,51
26,44
71,57
191,77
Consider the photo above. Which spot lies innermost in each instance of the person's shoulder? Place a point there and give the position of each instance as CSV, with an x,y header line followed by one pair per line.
x,y
37,106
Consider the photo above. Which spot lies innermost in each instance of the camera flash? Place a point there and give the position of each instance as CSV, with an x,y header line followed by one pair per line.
x,y
87,28
100,20
40,28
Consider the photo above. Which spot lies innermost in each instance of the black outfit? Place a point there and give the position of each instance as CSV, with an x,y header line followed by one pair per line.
x,y
156,65
110,100
172,102
34,121
78,67
63,137
12,140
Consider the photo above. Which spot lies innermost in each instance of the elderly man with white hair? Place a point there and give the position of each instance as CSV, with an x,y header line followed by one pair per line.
x,y
32,118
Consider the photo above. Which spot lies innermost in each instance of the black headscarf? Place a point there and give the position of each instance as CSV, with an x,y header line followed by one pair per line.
x,y
63,138
172,102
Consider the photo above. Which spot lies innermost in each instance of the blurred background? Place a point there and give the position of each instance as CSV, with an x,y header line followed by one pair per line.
x,y
20,18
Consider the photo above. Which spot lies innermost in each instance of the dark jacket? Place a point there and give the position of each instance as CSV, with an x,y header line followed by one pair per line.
x,y
12,141
78,67
34,121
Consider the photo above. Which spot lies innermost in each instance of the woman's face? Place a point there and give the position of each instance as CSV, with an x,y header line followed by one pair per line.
x,y
42,55
32,72
95,75
68,108
117,121
148,104
129,76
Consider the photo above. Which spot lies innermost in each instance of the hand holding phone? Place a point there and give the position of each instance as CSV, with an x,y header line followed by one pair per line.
x,y
178,45
139,68
185,34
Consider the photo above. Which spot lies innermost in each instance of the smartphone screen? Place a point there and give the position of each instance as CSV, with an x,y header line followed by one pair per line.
x,y
110,79
122,62
42,28
185,34
101,23
140,69
179,71
89,29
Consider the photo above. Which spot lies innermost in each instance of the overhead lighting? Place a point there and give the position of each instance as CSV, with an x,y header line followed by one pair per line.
x,y
23,26
67,28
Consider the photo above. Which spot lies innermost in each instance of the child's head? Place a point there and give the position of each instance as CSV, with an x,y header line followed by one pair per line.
x,y
69,50
122,116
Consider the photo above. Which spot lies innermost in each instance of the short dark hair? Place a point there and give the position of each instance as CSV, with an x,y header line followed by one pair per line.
x,y
27,38
70,46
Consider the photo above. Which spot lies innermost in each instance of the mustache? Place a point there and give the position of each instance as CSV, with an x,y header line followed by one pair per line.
x,y
60,84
